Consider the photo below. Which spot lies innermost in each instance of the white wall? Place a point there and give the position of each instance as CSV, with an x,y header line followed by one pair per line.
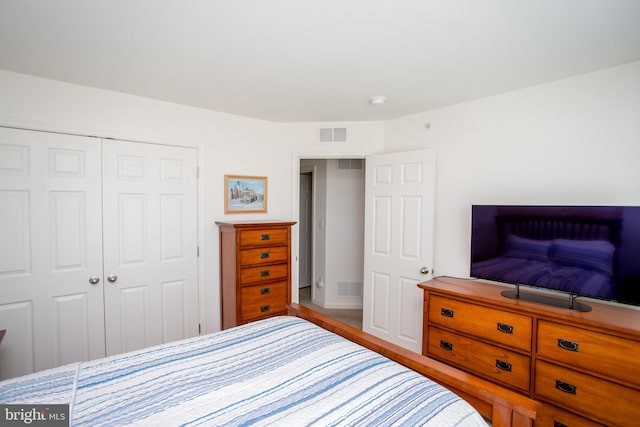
x,y
573,141
345,234
227,145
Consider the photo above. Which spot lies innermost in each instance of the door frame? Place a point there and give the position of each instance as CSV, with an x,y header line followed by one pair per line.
x,y
295,211
312,253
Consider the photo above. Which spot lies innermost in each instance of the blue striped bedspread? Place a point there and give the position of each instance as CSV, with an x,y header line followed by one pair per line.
x,y
278,371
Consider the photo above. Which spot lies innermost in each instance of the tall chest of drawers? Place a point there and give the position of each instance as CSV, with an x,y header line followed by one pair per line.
x,y
583,367
255,270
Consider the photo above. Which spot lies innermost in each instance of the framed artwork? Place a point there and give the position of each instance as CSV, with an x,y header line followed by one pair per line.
x,y
245,194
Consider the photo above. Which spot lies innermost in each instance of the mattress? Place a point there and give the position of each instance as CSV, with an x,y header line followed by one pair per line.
x,y
278,371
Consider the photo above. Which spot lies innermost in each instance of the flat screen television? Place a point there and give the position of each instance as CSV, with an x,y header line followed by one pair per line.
x,y
581,251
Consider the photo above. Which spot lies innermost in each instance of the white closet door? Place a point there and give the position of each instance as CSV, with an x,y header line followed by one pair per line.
x,y
150,244
50,247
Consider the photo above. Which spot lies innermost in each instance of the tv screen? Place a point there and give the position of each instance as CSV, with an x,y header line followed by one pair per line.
x,y
591,251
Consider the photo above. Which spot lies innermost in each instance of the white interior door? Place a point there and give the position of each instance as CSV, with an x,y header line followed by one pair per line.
x,y
399,210
150,244
50,247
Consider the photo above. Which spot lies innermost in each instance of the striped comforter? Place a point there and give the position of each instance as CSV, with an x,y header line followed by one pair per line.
x,y
279,371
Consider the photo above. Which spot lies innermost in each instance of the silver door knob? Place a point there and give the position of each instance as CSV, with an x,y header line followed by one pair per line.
x,y
424,270
112,278
94,280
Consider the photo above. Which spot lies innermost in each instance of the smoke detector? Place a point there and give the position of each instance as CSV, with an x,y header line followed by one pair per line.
x,y
377,100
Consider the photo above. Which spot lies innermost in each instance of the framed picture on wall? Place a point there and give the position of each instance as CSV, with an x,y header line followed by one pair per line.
x,y
245,194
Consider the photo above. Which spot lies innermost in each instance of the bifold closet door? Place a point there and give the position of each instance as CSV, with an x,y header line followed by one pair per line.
x,y
150,244
51,298
67,294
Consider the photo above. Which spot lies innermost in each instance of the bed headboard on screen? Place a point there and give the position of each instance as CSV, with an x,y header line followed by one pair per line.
x,y
562,222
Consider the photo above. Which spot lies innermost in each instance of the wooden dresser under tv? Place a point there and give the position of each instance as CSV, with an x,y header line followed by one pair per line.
x,y
583,366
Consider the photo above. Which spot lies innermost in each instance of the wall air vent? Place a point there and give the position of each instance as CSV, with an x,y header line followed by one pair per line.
x,y
332,134
350,164
349,289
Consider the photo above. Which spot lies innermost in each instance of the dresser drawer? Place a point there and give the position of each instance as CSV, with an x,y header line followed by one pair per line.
x,y
263,273
263,300
606,402
611,356
266,236
264,255
497,364
506,328
552,416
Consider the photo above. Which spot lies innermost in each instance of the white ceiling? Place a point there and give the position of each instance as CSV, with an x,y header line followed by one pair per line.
x,y
316,60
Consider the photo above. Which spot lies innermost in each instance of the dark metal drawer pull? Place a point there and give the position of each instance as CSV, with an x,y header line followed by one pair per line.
x,y
566,387
265,273
265,237
264,255
559,424
446,345
265,308
265,291
503,327
446,312
503,365
567,345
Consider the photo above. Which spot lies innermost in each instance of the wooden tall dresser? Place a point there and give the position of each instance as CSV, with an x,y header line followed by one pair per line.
x,y
255,270
583,366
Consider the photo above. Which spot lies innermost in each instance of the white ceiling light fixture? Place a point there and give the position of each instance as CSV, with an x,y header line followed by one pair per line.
x,y
377,100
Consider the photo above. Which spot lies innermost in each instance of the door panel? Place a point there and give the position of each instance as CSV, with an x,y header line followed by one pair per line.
x,y
133,308
408,316
70,328
381,226
15,222
150,224
398,243
174,307
50,245
132,230
411,212
18,354
380,297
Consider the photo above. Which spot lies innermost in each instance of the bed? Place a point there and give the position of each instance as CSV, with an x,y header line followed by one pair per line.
x,y
279,371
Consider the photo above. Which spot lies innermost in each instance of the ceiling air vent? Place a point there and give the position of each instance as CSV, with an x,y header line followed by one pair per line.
x,y
332,134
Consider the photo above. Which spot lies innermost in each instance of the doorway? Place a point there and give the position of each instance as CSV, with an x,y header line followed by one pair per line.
x,y
331,237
